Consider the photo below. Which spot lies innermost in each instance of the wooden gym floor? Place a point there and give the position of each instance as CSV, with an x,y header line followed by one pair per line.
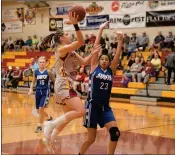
x,y
144,129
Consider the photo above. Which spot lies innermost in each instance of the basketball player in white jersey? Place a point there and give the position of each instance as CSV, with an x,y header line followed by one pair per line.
x,y
66,71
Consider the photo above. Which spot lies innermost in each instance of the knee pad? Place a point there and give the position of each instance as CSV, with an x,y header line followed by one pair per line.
x,y
114,133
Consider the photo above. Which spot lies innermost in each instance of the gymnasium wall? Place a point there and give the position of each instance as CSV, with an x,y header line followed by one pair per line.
x,y
41,27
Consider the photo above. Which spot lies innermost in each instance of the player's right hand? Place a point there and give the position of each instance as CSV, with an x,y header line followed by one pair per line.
x,y
73,19
30,92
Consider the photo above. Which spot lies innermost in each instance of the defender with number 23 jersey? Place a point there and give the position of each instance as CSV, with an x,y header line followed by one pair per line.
x,y
100,84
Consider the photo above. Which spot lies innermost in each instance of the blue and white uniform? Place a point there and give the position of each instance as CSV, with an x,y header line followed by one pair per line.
x,y
42,88
98,110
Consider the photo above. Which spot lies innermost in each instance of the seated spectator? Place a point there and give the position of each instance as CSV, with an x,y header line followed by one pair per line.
x,y
107,43
132,44
142,61
134,69
113,44
34,63
79,79
35,42
143,41
19,44
126,40
159,40
17,76
146,73
3,45
10,44
84,84
28,41
28,44
131,59
73,38
92,38
157,65
8,77
86,40
151,54
169,41
88,47
153,51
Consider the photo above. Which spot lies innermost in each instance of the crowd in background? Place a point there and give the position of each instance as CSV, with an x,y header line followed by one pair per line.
x,y
138,69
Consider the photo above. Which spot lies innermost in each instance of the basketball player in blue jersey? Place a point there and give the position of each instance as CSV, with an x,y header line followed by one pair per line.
x,y
98,110
42,78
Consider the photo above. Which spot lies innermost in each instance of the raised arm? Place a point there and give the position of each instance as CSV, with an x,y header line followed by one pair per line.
x,y
114,62
62,51
87,60
94,60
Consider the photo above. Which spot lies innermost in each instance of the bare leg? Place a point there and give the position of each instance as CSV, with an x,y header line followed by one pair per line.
x,y
89,141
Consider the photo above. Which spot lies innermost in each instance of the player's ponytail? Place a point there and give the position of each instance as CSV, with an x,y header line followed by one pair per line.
x,y
53,37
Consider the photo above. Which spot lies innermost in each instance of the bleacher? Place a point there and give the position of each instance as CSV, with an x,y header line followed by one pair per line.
x,y
156,89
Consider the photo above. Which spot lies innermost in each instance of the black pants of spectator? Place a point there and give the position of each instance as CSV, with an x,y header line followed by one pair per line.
x,y
169,45
123,54
11,47
15,83
170,70
157,74
143,46
2,50
160,44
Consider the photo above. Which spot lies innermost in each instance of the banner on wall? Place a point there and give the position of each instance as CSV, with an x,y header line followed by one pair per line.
x,y
94,9
156,5
12,27
127,20
66,27
55,23
160,18
9,15
93,22
59,11
121,7
30,17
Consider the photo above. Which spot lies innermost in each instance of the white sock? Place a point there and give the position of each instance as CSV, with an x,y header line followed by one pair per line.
x,y
54,134
59,120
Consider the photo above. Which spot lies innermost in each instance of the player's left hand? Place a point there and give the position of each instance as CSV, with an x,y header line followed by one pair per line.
x,y
119,36
102,26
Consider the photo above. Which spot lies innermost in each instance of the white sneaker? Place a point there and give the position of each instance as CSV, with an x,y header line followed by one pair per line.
x,y
48,128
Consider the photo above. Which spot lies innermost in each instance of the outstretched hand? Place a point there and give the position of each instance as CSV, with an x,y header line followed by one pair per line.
x,y
102,26
119,36
96,49
73,18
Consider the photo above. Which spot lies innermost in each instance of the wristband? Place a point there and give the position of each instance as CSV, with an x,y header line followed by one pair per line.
x,y
76,27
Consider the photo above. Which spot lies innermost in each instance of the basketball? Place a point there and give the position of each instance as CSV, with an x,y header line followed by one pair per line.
x,y
79,10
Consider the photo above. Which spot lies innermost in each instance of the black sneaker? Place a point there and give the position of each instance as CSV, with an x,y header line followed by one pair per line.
x,y
38,129
50,118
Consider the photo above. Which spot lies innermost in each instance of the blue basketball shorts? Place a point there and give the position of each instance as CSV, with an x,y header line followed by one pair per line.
x,y
97,113
42,97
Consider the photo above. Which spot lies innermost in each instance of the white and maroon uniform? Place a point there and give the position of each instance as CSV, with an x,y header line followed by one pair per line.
x,y
66,71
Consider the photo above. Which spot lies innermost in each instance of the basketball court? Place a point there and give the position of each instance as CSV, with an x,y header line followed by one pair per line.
x,y
145,112
144,129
